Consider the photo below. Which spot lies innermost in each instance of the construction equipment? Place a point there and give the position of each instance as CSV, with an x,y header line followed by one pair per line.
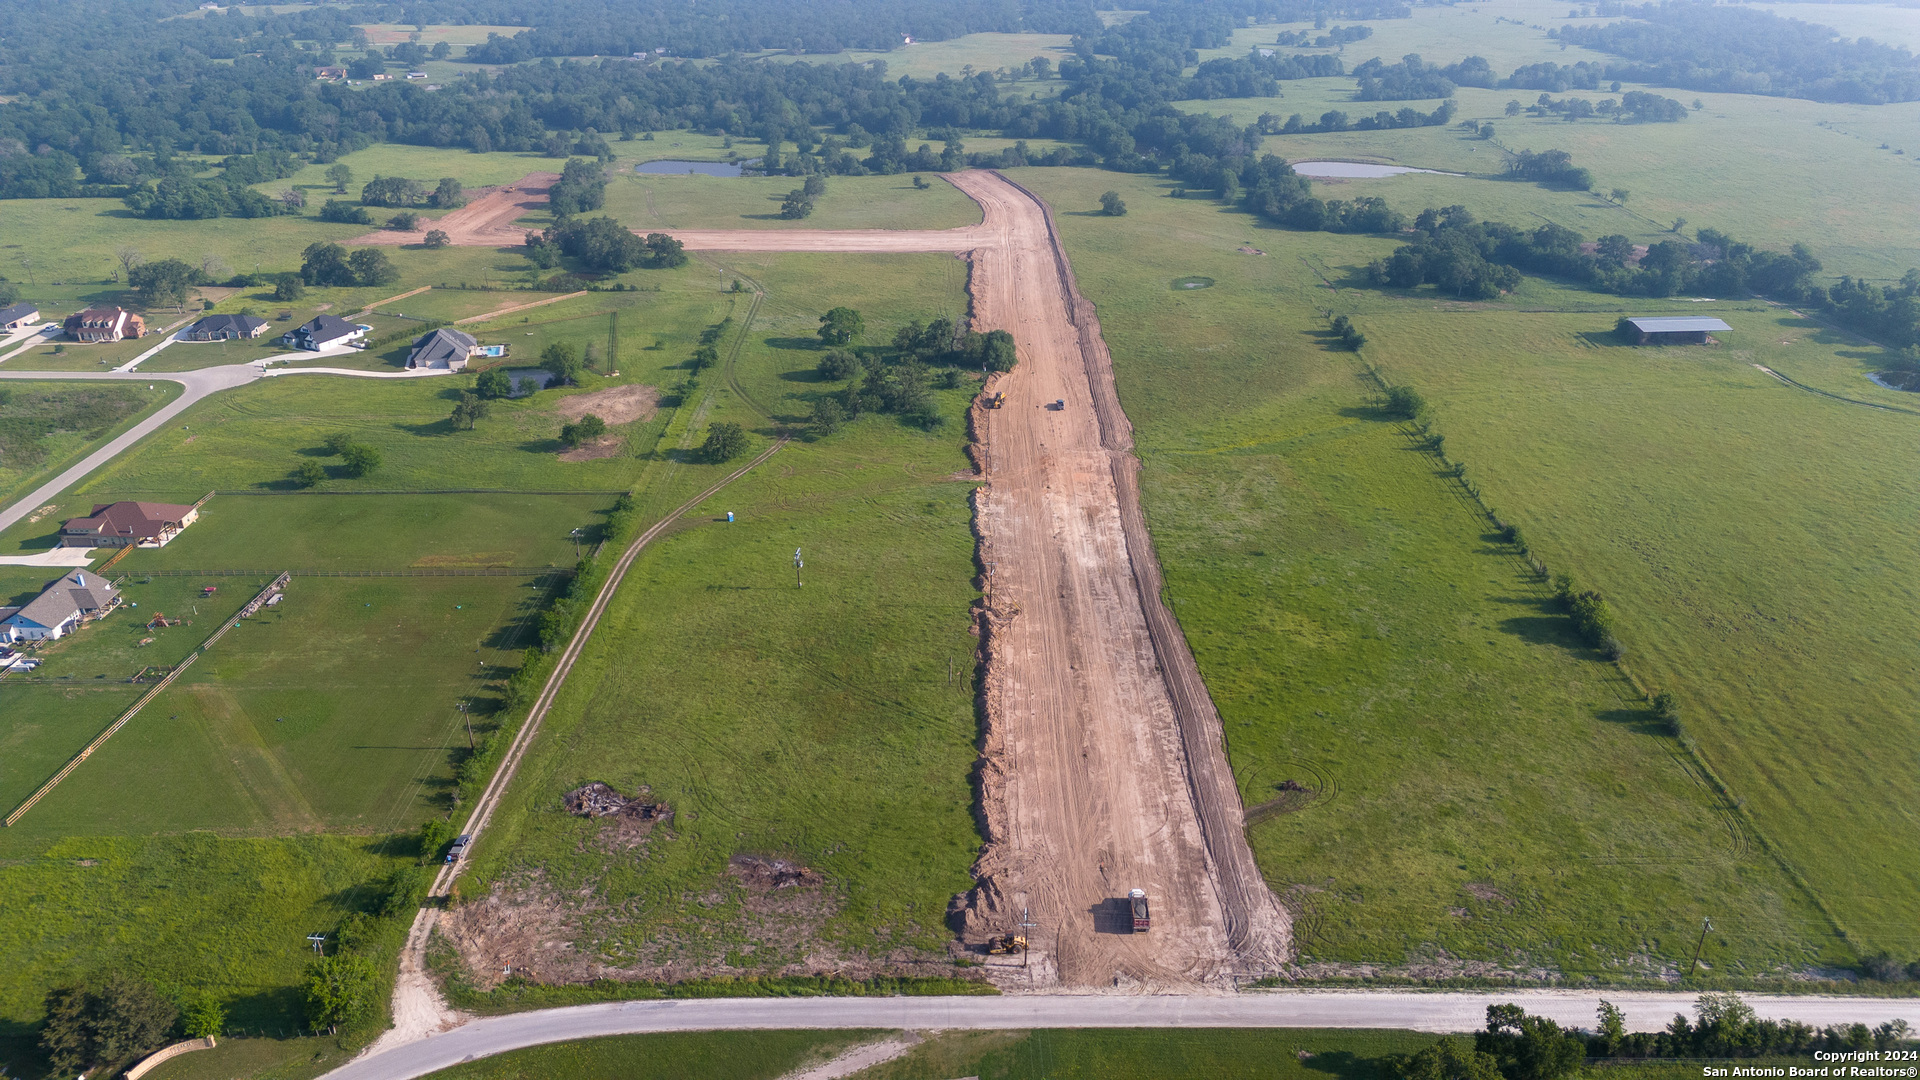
x,y
1007,943
1142,922
998,400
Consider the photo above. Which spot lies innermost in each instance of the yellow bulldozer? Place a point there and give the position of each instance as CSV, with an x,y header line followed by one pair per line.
x,y
1007,943
997,400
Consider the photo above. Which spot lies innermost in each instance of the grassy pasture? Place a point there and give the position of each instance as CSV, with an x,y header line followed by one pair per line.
x,y
45,426
813,723
653,201
1490,790
925,59
187,911
335,710
1752,536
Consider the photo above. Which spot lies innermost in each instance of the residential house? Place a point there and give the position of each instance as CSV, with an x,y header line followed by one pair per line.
x,y
446,349
330,73
96,325
125,524
382,77
225,328
416,74
17,316
80,597
322,331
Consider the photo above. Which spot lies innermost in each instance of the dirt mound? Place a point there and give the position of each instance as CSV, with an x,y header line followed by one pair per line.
x,y
598,800
767,875
486,220
616,405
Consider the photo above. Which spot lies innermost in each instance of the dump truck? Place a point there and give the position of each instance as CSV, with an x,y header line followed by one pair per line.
x,y
459,849
1142,922
1007,943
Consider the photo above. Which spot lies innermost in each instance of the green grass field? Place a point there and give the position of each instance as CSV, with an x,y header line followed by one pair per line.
x,y
46,426
757,1055
816,724
644,201
1491,790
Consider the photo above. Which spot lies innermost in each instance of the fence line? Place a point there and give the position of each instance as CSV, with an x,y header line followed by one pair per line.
x,y
101,739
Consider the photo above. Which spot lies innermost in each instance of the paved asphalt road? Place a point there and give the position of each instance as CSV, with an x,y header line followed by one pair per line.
x,y
199,384
1316,1009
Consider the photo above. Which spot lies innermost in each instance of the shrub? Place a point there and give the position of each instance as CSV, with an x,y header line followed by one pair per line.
x,y
404,221
361,459
104,1023
1591,615
345,213
494,384
338,442
289,287
584,430
562,361
828,415
796,205
310,474
725,441
1111,205
1406,402
340,990
438,238
840,325
839,365
203,1018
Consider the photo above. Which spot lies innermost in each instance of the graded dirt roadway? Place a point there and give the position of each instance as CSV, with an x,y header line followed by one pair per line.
x,y
1104,766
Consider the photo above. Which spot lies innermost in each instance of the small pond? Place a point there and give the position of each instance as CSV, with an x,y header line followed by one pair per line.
x,y
529,380
682,168
1356,170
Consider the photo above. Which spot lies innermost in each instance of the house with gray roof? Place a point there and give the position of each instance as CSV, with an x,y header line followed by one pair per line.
x,y
445,348
76,599
322,331
225,328
18,315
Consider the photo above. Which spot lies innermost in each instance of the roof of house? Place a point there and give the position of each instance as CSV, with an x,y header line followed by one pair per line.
x,y
142,519
97,315
17,311
327,327
76,594
1677,324
443,344
212,324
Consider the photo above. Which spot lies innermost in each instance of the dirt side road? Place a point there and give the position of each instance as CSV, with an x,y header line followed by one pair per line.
x,y
486,221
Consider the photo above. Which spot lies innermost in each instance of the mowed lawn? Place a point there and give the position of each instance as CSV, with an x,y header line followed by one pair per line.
x,y
645,201
1487,794
830,724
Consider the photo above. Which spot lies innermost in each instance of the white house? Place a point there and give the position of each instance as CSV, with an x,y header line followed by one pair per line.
x,y
80,597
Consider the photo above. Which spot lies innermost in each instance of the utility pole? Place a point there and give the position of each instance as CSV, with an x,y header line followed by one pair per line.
x,y
318,940
613,342
1705,925
797,564
468,717
1027,924
575,536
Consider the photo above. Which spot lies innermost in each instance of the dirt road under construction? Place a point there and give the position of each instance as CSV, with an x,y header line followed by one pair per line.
x,y
1103,768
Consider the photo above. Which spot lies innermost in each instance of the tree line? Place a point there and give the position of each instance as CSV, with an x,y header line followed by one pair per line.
x,y
1740,50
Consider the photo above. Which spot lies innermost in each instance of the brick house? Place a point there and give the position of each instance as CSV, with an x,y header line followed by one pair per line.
x,y
96,325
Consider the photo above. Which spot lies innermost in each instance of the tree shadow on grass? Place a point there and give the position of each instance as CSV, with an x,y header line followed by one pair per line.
x,y
1603,339
804,375
1377,413
1639,721
808,343
431,427
1343,1064
542,446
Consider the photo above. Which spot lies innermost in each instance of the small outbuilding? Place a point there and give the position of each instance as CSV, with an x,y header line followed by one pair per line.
x,y
1673,330
17,316
225,328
